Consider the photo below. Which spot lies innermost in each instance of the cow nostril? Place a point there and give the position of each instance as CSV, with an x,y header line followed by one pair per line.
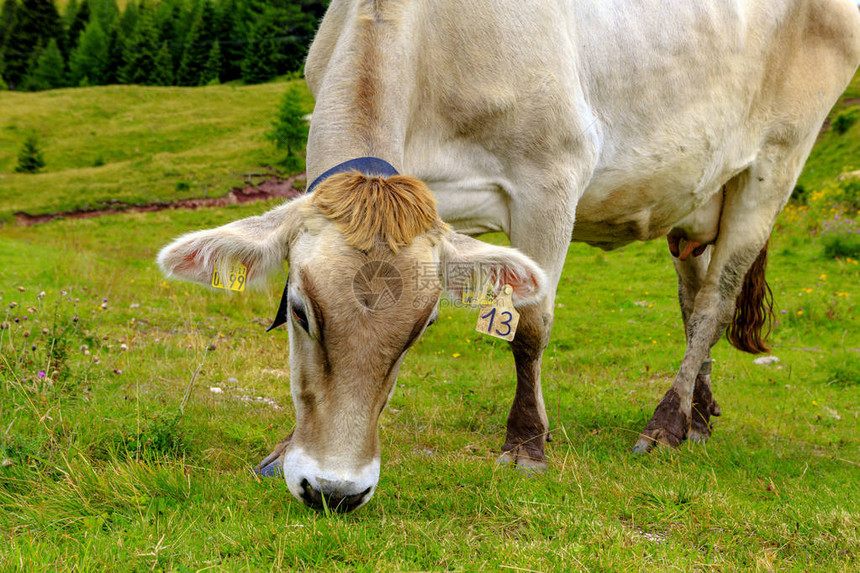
x,y
333,501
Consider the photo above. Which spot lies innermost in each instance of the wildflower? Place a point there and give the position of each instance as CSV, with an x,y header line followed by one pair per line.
x,y
104,300
42,295
799,312
41,374
456,355
123,347
823,277
117,371
784,311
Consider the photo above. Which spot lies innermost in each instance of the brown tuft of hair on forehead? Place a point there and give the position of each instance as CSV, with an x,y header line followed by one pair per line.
x,y
373,210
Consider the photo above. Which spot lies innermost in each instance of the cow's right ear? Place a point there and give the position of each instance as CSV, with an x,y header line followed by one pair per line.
x,y
260,243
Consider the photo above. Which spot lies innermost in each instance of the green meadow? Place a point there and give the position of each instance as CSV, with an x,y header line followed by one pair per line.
x,y
132,409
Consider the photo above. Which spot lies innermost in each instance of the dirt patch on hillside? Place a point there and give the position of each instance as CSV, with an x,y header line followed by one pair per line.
x,y
267,189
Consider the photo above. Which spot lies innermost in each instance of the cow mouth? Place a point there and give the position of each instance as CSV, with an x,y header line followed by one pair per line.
x,y
331,501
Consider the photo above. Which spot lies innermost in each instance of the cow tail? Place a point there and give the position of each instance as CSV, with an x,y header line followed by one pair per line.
x,y
753,318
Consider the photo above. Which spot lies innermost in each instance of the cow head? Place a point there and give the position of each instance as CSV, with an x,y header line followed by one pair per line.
x,y
368,259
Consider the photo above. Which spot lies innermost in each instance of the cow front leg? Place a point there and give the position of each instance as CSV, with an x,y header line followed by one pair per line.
x,y
273,464
528,426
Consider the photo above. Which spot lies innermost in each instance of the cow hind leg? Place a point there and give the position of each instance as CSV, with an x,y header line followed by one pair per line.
x,y
710,293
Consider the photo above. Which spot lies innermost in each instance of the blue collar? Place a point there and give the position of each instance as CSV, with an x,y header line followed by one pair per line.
x,y
370,166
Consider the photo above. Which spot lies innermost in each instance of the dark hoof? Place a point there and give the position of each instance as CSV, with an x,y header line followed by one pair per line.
x,y
668,425
274,469
528,462
273,464
704,406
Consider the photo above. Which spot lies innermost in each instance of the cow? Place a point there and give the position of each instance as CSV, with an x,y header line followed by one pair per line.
x,y
599,121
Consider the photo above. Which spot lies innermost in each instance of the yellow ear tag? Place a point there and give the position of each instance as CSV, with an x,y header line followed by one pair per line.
x,y
500,319
235,280
474,296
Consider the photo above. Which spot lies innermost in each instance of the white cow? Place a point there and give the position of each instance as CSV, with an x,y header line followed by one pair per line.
x,y
602,121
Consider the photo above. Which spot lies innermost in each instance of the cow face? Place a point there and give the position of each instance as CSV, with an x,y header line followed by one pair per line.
x,y
368,259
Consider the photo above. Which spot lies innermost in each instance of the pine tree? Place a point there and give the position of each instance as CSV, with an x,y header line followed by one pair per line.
x,y
30,158
162,75
50,69
172,28
261,55
35,23
198,45
212,70
116,56
79,24
107,12
89,61
141,54
232,37
289,131
69,13
7,19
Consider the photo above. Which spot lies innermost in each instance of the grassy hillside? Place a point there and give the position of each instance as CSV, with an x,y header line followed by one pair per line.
x,y
134,144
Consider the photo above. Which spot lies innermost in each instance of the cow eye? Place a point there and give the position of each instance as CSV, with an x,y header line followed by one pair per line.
x,y
299,316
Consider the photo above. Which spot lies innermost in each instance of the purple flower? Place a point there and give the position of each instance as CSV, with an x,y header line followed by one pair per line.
x,y
104,300
41,374
784,312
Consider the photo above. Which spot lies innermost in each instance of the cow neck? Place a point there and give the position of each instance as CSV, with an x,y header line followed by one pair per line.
x,y
369,166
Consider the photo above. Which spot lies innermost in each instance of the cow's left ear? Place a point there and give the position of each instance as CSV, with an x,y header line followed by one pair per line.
x,y
259,243
467,263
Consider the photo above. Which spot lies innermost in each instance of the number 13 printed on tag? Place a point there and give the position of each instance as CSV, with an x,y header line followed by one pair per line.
x,y
500,319
235,279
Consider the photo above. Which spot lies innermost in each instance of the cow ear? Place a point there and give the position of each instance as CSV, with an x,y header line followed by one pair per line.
x,y
467,263
260,243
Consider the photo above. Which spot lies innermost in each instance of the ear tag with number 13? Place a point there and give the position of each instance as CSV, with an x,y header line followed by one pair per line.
x,y
235,280
500,319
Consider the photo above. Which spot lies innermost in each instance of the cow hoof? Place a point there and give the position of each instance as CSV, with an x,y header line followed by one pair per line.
x,y
524,463
668,425
274,469
704,407
273,464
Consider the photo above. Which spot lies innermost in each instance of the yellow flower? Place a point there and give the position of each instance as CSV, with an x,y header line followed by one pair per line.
x,y
799,312
824,277
456,355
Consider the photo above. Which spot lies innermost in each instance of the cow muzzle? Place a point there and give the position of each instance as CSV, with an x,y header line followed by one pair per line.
x,y
336,488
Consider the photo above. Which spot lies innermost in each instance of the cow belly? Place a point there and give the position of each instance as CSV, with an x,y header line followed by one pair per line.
x,y
612,220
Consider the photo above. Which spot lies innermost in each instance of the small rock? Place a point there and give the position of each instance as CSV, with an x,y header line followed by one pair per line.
x,y
765,360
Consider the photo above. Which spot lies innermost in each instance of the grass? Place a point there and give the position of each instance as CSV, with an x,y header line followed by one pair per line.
x,y
115,453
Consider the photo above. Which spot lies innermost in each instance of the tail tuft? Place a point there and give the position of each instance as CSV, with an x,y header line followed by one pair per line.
x,y
753,320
